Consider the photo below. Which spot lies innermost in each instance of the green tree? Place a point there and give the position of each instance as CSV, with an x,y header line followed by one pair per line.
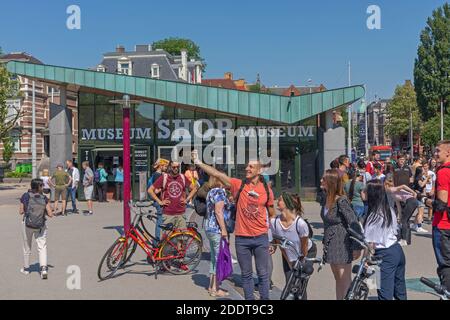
x,y
9,88
398,111
174,46
431,69
8,149
431,132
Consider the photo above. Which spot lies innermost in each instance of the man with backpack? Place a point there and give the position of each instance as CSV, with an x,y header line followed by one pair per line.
x,y
160,167
254,202
34,207
173,195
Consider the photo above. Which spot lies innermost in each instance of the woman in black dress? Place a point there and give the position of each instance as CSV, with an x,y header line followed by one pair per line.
x,y
338,216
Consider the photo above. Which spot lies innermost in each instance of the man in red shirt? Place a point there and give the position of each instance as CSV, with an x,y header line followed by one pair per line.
x,y
173,195
375,159
441,224
254,207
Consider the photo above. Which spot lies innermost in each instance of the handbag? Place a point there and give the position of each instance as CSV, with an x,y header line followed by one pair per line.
x,y
224,266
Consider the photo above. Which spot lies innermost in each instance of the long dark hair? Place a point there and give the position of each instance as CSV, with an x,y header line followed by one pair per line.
x,y
417,177
293,202
379,207
333,187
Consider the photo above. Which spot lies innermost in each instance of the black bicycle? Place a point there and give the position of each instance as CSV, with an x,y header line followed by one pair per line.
x,y
358,289
439,290
297,283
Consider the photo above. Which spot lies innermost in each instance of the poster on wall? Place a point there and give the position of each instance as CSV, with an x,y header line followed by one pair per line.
x,y
141,158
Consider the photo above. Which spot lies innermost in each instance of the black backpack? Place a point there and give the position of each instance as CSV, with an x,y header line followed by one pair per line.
x,y
36,211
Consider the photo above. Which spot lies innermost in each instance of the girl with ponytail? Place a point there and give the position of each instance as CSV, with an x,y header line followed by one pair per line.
x,y
293,227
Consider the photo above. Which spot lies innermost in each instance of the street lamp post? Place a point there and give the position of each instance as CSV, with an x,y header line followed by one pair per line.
x,y
411,139
33,133
126,105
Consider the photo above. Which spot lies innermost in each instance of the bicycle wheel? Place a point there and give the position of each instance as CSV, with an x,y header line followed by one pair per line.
x,y
288,287
112,259
180,253
131,249
353,290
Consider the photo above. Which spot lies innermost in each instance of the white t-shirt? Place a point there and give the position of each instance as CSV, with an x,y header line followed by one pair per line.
x,y
382,237
45,180
429,186
298,229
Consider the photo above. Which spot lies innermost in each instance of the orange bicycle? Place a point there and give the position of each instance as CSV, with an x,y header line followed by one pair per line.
x,y
178,252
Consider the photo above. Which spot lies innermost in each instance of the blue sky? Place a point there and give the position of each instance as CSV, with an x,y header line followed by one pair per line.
x,y
286,41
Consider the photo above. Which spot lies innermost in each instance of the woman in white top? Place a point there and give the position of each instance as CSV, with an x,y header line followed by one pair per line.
x,y
291,226
45,178
380,231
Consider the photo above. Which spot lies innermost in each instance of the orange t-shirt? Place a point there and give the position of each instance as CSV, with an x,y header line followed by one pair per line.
x,y
251,213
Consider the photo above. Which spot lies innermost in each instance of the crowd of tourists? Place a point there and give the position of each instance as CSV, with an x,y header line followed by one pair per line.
x,y
377,199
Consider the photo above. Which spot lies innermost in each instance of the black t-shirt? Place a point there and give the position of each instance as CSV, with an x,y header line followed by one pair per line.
x,y
402,176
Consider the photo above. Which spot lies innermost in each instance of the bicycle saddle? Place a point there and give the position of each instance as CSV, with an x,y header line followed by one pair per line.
x,y
168,226
143,204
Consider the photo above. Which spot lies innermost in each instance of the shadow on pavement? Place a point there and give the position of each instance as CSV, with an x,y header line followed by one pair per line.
x,y
429,236
119,229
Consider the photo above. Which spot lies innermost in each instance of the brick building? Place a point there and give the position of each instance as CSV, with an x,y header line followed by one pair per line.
x,y
45,96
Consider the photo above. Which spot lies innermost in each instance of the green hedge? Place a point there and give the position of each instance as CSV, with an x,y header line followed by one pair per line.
x,y
16,175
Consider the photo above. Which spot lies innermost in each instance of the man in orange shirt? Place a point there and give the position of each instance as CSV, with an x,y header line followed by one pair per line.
x,y
254,203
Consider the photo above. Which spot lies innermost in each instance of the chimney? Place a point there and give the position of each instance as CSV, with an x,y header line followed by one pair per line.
x,y
120,49
228,76
184,65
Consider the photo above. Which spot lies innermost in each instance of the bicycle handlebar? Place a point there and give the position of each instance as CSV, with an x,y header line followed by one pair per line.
x,y
436,287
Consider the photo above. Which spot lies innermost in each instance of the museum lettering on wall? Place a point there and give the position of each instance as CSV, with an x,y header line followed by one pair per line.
x,y
165,129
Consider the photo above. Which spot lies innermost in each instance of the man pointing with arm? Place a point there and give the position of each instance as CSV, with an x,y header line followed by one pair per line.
x,y
254,203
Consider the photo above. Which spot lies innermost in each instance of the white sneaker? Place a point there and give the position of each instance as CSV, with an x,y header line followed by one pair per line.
x,y
403,243
421,230
24,271
233,261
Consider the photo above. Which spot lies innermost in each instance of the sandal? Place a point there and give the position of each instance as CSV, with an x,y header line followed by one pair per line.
x,y
218,294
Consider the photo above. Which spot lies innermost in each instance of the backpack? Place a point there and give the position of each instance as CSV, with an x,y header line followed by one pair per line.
x,y
97,176
36,211
266,187
310,229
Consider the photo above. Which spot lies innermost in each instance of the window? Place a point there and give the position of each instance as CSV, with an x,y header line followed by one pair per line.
x,y
16,140
124,66
13,108
155,71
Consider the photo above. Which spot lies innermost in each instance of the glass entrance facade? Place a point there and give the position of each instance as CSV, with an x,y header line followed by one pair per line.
x,y
152,136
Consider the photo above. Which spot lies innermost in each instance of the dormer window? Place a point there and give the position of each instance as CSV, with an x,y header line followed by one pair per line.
x,y
124,66
155,71
101,68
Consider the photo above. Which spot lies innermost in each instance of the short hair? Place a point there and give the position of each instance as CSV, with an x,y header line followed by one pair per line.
x,y
401,156
342,159
424,162
69,161
446,142
85,163
36,184
375,152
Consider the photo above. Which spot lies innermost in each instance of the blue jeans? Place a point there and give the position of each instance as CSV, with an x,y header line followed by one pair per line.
x,y
436,236
359,210
214,245
246,248
159,220
72,194
392,271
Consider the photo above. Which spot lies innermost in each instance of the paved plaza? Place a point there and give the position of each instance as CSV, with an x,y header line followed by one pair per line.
x,y
81,241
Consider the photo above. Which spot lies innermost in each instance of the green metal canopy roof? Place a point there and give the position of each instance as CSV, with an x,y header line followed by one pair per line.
x,y
255,105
